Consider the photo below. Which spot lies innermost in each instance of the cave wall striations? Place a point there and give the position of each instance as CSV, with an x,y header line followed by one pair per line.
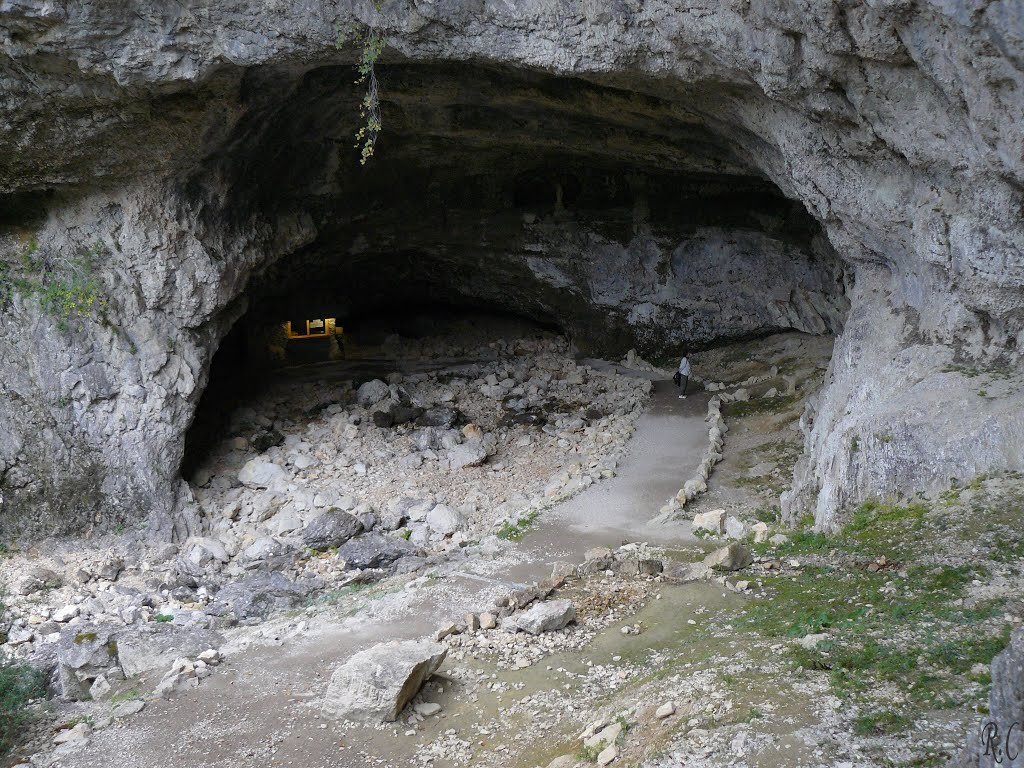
x,y
647,173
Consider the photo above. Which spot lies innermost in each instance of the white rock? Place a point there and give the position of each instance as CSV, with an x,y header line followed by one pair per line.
x,y
541,617
713,521
735,528
760,531
258,473
665,710
445,520
65,614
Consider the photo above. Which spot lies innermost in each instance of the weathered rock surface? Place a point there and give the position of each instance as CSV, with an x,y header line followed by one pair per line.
x,y
376,684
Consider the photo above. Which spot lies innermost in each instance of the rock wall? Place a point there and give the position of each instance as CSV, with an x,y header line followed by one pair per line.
x,y
200,144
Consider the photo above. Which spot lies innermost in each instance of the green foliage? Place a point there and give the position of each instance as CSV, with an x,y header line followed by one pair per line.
x,y
514,531
68,289
19,684
880,723
163,618
372,42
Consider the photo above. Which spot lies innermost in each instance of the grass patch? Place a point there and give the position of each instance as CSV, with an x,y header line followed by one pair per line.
x,y
758,405
516,530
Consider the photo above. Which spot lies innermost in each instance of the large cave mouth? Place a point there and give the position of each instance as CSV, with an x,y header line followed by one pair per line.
x,y
622,219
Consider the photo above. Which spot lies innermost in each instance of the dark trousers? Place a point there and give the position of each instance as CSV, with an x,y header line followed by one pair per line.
x,y
683,381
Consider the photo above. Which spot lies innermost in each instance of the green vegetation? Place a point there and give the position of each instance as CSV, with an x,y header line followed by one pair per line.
x,y
901,638
372,42
123,696
68,289
516,530
19,684
163,618
759,405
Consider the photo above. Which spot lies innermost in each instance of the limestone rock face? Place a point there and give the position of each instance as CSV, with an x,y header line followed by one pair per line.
x,y
376,684
644,175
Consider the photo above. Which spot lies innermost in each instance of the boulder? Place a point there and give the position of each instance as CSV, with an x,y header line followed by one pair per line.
x,y
541,617
372,392
438,416
259,595
713,521
469,454
445,520
258,473
155,646
376,684
84,653
331,529
373,550
730,558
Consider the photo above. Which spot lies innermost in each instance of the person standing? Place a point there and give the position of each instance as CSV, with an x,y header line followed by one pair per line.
x,y
682,376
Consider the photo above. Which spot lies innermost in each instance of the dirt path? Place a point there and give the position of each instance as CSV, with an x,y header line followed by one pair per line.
x,y
261,707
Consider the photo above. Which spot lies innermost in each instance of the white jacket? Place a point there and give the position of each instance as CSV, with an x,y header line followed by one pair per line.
x,y
684,367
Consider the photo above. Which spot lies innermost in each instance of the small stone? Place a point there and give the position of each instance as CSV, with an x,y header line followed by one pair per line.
x,y
445,631
65,614
472,622
488,621
427,708
665,710
80,732
128,708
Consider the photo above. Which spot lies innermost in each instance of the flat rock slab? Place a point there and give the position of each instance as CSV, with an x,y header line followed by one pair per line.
x,y
376,684
542,617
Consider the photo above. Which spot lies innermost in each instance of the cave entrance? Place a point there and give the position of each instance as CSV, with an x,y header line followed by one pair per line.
x,y
624,219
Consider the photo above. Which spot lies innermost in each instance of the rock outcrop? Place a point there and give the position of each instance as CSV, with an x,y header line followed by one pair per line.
x,y
641,174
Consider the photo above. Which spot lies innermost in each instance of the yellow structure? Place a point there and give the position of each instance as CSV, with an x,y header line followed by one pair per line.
x,y
312,329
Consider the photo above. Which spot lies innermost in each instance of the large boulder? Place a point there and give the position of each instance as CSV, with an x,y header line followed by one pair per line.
x,y
374,550
85,652
376,684
542,617
261,594
155,646
372,392
331,529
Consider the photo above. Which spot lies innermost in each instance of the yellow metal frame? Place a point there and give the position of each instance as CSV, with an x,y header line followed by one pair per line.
x,y
330,328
